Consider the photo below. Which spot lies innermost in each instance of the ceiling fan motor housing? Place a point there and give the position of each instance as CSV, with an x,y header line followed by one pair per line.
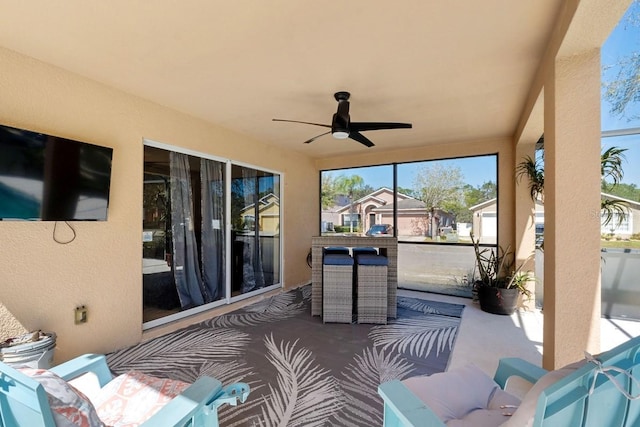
x,y
340,122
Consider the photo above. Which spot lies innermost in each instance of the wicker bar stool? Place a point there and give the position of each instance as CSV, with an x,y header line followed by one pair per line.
x,y
337,288
356,252
372,288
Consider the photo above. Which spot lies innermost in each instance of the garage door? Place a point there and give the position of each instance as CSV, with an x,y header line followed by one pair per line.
x,y
489,227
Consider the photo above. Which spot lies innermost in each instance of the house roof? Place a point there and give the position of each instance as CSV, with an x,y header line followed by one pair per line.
x,y
483,204
371,197
458,71
264,202
403,205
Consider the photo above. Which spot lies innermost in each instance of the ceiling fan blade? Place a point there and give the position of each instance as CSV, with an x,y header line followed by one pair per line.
x,y
316,137
362,126
357,136
305,123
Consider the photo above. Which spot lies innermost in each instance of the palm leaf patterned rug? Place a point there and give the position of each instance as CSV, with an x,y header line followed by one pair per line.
x,y
302,372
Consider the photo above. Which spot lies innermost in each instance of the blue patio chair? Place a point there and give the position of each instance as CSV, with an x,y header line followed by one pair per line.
x,y
24,401
597,392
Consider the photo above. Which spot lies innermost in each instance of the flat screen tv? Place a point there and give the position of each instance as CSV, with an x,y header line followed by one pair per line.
x,y
47,178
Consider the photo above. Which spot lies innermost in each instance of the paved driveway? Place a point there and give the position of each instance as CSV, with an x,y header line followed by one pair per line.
x,y
435,268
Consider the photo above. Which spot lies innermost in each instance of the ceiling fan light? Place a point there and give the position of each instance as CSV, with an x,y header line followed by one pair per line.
x,y
340,134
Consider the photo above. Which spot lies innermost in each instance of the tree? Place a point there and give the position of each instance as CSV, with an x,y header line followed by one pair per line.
x,y
623,90
473,196
438,185
348,185
362,191
328,191
626,191
407,191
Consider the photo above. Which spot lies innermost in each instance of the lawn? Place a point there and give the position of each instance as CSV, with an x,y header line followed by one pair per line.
x,y
621,244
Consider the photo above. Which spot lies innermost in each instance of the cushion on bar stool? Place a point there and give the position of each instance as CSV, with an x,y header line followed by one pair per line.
x,y
372,288
363,251
335,250
337,259
369,259
337,289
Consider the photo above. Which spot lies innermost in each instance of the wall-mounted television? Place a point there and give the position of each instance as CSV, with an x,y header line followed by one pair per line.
x,y
48,178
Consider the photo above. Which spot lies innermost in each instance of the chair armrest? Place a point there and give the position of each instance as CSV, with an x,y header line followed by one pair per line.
x,y
512,366
233,394
402,408
95,363
190,405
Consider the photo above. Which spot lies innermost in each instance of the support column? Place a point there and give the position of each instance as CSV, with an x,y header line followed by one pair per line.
x,y
572,209
525,227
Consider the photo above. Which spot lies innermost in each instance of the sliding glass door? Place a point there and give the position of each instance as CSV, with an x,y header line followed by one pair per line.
x,y
255,235
195,257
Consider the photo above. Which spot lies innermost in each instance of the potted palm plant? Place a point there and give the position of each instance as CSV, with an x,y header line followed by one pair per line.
x,y
499,284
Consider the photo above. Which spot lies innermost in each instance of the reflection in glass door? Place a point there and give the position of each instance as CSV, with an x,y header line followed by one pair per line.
x,y
183,233
255,225
206,238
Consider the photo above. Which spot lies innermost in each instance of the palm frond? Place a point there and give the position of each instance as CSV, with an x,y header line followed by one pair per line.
x,y
306,292
306,394
611,164
418,305
178,350
227,372
272,309
611,209
533,170
361,379
416,336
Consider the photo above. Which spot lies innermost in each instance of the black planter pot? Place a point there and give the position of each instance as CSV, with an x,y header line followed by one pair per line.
x,y
498,300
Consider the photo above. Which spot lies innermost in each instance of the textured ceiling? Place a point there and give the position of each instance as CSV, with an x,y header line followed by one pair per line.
x,y
458,70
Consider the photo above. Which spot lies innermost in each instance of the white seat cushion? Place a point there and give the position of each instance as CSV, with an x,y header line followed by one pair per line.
x,y
523,417
463,397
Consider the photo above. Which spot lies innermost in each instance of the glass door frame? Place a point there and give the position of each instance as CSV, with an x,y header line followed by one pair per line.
x,y
228,299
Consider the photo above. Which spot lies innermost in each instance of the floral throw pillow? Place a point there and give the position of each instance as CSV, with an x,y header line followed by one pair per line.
x,y
69,406
132,398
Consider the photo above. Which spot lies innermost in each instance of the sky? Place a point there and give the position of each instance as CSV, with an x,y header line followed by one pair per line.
x,y
475,170
624,40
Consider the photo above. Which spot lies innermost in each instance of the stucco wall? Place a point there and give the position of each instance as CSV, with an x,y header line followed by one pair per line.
x,y
43,281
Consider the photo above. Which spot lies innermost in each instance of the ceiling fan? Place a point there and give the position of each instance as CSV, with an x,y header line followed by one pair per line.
x,y
342,127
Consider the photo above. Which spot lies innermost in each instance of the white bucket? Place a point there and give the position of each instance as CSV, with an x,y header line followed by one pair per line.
x,y
33,354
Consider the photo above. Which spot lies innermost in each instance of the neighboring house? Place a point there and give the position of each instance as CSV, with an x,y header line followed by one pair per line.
x,y
626,227
268,214
360,212
377,208
485,224
414,218
485,221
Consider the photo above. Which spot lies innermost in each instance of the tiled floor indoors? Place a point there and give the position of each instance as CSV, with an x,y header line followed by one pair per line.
x,y
483,338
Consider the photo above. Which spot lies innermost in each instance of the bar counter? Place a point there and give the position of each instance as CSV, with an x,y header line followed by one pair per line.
x,y
387,246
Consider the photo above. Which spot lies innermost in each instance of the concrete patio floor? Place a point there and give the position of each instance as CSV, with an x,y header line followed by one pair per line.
x,y
484,338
